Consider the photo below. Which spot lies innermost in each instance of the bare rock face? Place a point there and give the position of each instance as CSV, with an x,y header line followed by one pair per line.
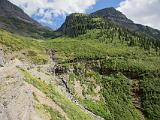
x,y
1,58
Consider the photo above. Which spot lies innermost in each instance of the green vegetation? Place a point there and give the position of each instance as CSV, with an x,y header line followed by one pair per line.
x,y
48,112
77,24
35,97
76,50
41,111
116,92
98,108
116,103
29,47
55,115
107,59
150,90
133,68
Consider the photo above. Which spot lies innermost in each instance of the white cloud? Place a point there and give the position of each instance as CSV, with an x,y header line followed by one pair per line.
x,y
47,9
145,12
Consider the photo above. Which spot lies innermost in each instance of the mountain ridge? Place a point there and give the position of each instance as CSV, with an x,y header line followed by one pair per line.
x,y
15,20
80,24
7,9
120,19
112,14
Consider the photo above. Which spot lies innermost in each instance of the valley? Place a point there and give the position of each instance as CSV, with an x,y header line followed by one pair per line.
x,y
85,74
94,67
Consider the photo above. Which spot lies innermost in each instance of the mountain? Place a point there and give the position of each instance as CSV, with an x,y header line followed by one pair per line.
x,y
97,70
7,9
120,19
113,15
116,16
15,20
79,24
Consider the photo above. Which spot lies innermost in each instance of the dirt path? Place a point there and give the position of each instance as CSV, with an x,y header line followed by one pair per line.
x,y
16,100
15,97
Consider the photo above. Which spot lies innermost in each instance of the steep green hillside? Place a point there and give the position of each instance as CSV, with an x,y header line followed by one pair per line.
x,y
107,31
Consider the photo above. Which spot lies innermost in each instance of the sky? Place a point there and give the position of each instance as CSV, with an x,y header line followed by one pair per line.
x,y
52,13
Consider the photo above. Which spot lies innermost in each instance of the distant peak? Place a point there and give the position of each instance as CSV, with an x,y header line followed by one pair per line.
x,y
110,8
112,14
